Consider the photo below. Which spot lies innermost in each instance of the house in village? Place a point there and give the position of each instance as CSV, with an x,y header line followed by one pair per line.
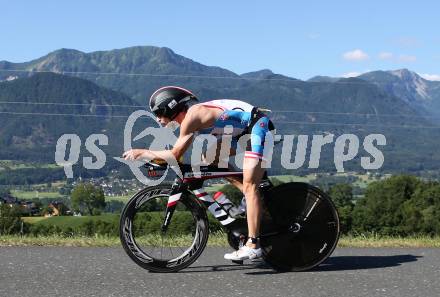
x,y
57,209
9,199
29,208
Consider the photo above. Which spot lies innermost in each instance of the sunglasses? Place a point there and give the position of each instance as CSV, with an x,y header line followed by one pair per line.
x,y
159,112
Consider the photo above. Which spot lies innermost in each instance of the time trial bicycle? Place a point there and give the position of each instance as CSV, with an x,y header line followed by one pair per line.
x,y
165,228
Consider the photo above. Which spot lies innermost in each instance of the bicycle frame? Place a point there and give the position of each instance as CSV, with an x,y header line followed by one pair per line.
x,y
194,180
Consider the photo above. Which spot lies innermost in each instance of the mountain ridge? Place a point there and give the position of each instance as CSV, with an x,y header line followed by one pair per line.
x,y
359,105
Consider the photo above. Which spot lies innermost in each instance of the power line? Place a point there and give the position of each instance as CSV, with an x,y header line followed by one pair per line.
x,y
63,114
68,104
148,75
282,122
188,76
275,111
362,125
355,113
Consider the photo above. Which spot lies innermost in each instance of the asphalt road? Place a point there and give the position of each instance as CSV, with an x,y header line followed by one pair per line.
x,y
43,271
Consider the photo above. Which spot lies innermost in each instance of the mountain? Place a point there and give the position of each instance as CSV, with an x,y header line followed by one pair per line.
x,y
377,102
265,74
320,78
138,71
36,111
418,92
145,68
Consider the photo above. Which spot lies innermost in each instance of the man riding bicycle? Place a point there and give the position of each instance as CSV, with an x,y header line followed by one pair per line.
x,y
177,105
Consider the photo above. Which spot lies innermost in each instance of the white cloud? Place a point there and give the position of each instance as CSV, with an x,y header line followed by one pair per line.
x,y
430,76
386,56
355,55
351,74
407,58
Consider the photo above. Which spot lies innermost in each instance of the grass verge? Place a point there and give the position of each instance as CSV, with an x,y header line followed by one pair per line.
x,y
376,241
216,239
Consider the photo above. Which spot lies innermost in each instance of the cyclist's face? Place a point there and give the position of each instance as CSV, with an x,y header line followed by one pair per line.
x,y
162,120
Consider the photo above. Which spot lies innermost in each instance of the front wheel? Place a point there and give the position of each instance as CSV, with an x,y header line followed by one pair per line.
x,y
308,227
143,239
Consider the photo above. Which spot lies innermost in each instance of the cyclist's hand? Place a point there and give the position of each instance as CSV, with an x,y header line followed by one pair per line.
x,y
135,154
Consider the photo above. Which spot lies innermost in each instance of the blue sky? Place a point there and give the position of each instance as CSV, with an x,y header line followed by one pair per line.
x,y
296,38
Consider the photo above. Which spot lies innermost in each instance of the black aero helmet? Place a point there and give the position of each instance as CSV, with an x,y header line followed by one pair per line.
x,y
169,101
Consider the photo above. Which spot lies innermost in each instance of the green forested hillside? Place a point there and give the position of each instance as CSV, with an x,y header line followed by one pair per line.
x,y
30,124
359,106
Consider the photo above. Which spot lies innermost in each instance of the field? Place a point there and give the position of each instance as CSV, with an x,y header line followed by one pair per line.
x,y
41,190
294,178
122,198
28,195
9,164
69,221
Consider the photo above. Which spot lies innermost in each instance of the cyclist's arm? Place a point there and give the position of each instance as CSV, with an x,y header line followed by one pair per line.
x,y
190,124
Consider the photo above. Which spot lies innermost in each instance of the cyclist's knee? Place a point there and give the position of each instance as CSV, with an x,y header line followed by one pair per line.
x,y
249,188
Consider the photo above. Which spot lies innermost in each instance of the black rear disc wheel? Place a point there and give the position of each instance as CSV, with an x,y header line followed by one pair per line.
x,y
308,227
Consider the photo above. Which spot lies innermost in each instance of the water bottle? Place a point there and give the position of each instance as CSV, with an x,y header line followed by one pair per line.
x,y
228,206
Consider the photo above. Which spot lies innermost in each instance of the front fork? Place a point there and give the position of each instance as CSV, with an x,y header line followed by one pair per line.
x,y
176,194
171,207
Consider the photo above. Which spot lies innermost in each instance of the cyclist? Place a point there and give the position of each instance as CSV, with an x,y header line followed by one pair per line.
x,y
173,104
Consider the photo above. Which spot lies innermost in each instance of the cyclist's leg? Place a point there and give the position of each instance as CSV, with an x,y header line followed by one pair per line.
x,y
252,174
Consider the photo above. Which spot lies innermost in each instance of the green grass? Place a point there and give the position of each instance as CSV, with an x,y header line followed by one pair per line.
x,y
122,198
33,220
34,194
56,240
27,195
376,241
216,239
73,222
214,188
20,165
294,178
59,184
69,221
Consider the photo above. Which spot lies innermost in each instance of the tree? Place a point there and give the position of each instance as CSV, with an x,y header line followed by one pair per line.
x,y
10,219
38,203
385,207
47,210
87,197
62,209
342,196
4,192
422,212
116,206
